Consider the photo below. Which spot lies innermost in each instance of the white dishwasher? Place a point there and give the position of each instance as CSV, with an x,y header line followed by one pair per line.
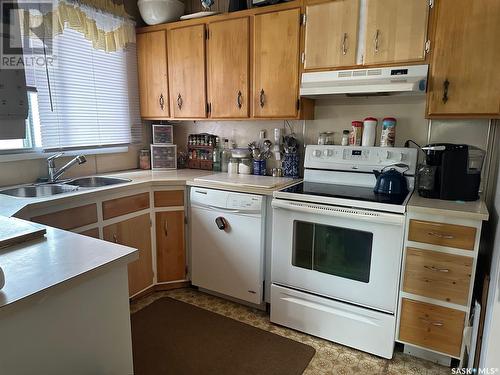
x,y
227,243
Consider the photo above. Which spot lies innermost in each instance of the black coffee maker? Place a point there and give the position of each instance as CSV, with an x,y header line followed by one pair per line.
x,y
451,172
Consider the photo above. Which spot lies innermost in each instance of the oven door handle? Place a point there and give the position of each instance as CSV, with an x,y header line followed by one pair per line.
x,y
337,211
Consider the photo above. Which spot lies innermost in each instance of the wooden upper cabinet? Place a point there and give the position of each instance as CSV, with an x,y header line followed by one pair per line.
x,y
228,68
276,64
396,31
152,69
331,35
186,70
463,74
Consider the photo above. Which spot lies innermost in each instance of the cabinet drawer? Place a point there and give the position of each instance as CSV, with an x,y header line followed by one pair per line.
x,y
437,275
169,198
442,234
70,218
430,326
125,205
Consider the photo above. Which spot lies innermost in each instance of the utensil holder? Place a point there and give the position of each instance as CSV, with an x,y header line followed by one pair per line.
x,y
259,167
291,165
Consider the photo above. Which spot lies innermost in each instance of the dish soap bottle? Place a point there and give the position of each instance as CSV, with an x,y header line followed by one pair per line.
x,y
225,156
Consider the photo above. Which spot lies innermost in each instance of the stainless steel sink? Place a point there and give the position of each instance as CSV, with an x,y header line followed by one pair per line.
x,y
35,191
97,181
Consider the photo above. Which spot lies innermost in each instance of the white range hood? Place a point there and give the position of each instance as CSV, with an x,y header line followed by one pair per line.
x,y
410,79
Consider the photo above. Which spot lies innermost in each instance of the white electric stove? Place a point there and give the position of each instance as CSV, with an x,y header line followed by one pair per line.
x,y
337,247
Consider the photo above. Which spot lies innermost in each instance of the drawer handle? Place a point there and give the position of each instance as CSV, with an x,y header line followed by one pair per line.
x,y
162,102
165,228
344,47
115,238
439,235
435,269
377,33
262,98
432,322
239,102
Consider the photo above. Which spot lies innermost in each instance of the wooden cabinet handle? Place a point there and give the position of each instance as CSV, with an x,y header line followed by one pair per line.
x,y
179,101
262,98
165,228
377,33
432,322
439,235
239,103
161,101
436,269
344,45
115,238
446,84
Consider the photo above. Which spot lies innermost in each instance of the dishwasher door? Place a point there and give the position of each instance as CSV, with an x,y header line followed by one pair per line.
x,y
228,260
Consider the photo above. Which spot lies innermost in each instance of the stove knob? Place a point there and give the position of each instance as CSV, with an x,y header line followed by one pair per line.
x,y
317,153
328,153
402,156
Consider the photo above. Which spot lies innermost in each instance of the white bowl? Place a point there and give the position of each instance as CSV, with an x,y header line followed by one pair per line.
x,y
154,12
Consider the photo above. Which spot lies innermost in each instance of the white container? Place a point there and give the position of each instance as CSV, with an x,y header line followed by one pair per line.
x,y
232,166
154,12
369,131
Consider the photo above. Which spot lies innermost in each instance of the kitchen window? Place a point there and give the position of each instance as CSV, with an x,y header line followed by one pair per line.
x,y
88,98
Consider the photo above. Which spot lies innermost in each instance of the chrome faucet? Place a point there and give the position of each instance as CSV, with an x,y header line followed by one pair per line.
x,y
55,174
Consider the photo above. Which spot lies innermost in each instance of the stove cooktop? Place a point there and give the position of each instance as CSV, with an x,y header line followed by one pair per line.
x,y
359,193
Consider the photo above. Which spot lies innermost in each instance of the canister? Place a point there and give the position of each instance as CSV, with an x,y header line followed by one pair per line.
x,y
388,137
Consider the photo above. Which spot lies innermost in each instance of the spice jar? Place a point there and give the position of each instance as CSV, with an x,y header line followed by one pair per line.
x,y
345,138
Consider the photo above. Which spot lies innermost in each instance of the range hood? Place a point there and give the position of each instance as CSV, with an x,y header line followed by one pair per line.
x,y
410,79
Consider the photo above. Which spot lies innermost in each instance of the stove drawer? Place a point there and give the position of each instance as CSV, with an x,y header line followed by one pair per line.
x,y
430,326
451,235
438,275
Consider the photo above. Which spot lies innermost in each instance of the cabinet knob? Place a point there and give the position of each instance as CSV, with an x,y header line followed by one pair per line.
x,y
446,84
239,102
262,98
161,101
179,101
344,44
377,33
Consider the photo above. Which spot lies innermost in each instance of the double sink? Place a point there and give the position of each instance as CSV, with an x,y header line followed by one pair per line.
x,y
49,189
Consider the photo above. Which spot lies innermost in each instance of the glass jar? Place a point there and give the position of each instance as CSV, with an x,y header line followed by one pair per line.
x,y
245,166
345,138
144,159
232,166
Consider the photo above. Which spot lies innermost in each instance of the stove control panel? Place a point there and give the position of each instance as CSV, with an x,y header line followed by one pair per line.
x,y
356,158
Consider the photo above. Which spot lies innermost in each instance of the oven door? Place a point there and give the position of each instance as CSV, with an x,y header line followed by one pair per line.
x,y
343,253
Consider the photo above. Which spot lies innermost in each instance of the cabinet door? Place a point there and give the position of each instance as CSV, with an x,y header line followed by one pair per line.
x,y
136,233
228,68
276,64
170,249
152,69
331,34
463,74
186,56
396,31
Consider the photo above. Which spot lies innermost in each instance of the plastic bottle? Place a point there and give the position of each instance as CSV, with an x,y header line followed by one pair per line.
x,y
216,164
369,131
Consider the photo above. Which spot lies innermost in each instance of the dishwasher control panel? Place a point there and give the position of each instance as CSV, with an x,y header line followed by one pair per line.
x,y
238,202
226,200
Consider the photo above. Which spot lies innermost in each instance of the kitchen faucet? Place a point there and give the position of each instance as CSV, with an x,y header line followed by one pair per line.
x,y
55,174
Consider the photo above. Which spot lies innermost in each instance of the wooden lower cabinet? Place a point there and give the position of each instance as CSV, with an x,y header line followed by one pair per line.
x,y
69,218
136,233
170,246
431,326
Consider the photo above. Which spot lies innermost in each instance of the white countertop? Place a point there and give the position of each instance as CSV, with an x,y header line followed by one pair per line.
x,y
466,210
34,266
9,206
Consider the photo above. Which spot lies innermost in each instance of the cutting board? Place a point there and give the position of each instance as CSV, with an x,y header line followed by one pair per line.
x,y
249,180
14,231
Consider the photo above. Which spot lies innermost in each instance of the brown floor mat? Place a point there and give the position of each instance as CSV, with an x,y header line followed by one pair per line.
x,y
173,337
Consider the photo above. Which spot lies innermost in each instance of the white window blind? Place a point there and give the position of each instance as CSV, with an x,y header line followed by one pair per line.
x,y
89,98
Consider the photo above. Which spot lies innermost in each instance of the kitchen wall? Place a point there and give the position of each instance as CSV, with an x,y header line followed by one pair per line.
x,y
336,115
